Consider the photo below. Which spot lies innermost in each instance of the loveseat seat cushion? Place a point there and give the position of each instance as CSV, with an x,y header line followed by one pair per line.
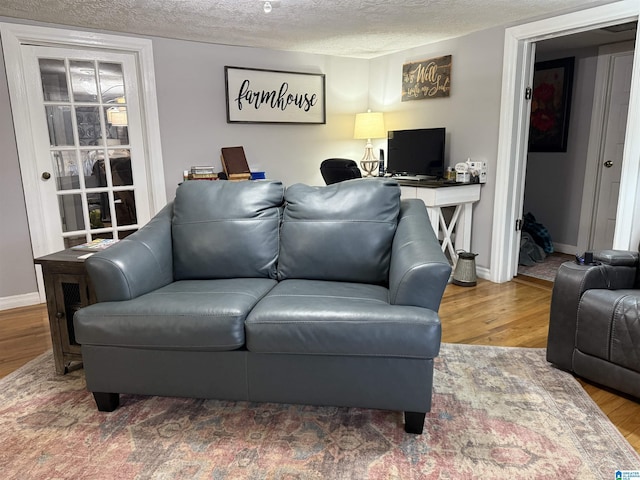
x,y
200,315
609,326
339,232
226,229
314,317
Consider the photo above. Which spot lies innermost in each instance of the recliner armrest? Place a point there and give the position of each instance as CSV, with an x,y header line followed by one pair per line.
x,y
622,258
136,265
419,271
572,280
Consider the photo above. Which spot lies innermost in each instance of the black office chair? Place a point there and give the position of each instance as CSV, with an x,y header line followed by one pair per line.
x,y
336,170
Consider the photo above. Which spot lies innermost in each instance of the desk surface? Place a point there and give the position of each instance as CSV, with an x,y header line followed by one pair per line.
x,y
429,183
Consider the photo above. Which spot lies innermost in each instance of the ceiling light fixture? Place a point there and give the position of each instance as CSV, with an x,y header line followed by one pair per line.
x,y
269,5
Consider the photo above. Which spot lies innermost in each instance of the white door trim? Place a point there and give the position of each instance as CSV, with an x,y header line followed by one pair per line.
x,y
513,134
15,35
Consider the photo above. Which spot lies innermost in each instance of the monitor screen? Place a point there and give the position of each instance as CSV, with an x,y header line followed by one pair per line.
x,y
416,152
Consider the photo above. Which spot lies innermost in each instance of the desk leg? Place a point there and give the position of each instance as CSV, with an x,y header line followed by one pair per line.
x,y
463,230
434,217
447,242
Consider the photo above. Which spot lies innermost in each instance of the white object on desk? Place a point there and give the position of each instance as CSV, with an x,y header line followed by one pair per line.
x,y
462,198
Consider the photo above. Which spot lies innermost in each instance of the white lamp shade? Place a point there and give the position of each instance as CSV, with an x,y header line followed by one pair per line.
x,y
369,125
117,116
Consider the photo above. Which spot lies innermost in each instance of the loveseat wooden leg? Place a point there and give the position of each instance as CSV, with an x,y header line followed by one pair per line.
x,y
414,422
106,402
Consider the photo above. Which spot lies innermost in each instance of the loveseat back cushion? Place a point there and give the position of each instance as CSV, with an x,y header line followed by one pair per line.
x,y
224,229
341,232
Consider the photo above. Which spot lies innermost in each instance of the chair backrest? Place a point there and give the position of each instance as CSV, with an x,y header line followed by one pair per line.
x,y
336,170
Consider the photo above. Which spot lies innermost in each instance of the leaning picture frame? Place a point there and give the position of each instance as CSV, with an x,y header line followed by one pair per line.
x,y
274,96
551,105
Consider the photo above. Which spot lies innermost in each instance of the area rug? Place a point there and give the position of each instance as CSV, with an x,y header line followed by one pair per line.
x,y
497,413
547,269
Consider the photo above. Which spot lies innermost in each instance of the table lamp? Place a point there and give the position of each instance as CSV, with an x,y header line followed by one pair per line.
x,y
369,125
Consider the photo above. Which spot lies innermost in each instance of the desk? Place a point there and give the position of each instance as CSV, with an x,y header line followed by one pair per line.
x,y
67,288
461,197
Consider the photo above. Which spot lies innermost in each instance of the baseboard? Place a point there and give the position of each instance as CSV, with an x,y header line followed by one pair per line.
x,y
563,248
483,272
24,300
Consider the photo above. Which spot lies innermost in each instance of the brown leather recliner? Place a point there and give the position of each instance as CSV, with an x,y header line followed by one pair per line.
x,y
594,324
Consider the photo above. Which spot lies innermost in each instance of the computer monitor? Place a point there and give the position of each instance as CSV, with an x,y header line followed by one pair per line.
x,y
416,152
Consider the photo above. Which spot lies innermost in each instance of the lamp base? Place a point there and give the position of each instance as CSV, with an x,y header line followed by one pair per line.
x,y
369,166
369,162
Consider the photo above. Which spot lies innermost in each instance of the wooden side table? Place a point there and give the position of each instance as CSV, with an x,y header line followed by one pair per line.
x,y
68,288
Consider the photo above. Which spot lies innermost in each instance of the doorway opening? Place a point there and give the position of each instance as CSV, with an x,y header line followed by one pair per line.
x,y
573,191
519,55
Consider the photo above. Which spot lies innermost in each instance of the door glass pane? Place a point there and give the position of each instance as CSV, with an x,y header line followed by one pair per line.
x,y
125,207
83,81
111,82
99,214
117,123
60,126
93,168
65,169
54,80
71,212
89,131
121,174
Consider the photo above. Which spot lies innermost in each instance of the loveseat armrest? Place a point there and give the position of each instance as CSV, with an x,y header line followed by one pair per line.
x,y
136,265
571,281
419,270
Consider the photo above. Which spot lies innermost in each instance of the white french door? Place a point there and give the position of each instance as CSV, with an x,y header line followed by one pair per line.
x,y
86,123
88,143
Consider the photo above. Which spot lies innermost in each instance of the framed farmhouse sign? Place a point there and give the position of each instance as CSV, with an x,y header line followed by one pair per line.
x,y
273,96
426,79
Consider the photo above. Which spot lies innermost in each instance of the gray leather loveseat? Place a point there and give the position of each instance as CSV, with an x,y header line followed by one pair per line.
x,y
247,291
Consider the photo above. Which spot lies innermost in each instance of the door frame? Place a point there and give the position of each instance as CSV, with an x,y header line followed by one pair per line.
x,y
513,133
593,171
13,37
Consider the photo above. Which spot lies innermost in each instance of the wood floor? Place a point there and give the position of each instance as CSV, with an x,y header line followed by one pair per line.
x,y
514,314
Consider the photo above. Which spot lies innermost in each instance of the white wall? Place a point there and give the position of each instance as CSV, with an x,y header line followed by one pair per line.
x,y
470,114
191,103
17,273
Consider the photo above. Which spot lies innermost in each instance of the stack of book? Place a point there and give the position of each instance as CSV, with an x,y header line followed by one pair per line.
x,y
96,244
201,173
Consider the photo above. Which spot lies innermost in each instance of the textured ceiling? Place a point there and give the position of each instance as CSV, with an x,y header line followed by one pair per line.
x,y
355,28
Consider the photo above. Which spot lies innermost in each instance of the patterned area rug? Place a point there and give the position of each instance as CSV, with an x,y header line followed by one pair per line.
x,y
497,413
547,269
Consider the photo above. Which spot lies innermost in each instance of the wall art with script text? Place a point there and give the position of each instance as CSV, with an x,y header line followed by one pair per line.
x,y
274,96
426,79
